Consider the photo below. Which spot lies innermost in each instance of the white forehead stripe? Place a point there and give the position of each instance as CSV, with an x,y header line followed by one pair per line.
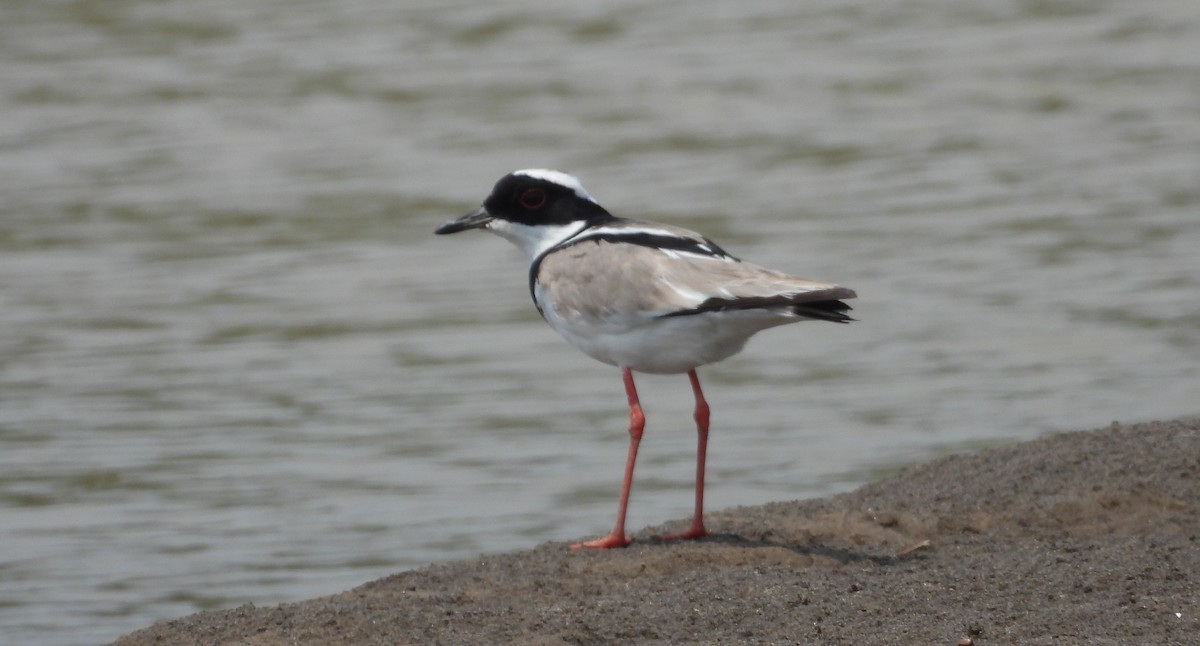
x,y
558,177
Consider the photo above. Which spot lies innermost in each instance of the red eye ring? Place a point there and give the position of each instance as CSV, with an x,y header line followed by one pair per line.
x,y
533,198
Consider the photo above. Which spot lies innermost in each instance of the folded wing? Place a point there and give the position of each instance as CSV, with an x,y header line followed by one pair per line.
x,y
610,279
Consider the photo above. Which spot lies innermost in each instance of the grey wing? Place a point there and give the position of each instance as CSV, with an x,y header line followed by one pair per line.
x,y
746,286
605,280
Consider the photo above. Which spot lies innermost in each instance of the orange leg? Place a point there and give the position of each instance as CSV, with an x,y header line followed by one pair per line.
x,y
697,529
637,423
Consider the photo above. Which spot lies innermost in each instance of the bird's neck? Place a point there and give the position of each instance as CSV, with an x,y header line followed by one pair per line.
x,y
536,240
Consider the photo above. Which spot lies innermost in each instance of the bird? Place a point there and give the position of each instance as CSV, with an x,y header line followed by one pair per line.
x,y
644,297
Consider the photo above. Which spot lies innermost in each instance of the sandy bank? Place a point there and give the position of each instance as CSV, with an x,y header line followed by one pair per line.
x,y
1079,538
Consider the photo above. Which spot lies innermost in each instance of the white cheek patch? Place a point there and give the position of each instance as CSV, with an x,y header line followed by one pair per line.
x,y
534,240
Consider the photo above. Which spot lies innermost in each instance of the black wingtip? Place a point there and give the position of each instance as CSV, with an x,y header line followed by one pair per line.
x,y
833,311
829,309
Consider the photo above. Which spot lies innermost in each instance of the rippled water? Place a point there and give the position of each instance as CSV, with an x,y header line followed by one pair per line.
x,y
236,365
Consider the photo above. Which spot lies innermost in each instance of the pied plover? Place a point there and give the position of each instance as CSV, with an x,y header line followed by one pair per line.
x,y
643,297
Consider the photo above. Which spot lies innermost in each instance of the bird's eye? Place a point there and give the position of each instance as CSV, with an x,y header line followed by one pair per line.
x,y
533,198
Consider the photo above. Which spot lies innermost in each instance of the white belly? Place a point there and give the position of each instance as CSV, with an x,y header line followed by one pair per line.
x,y
665,345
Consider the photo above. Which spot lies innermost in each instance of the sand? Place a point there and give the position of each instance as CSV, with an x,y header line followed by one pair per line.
x,y
1078,538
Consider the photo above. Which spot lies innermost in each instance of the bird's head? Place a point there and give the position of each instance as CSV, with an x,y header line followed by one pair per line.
x,y
535,209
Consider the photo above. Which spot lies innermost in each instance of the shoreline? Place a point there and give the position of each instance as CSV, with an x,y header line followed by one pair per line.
x,y
1082,537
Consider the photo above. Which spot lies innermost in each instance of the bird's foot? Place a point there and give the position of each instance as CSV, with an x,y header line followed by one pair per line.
x,y
615,539
695,531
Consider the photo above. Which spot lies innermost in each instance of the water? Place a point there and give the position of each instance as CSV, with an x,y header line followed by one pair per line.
x,y
236,365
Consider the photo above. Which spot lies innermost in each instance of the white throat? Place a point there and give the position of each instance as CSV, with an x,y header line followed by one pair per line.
x,y
535,240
